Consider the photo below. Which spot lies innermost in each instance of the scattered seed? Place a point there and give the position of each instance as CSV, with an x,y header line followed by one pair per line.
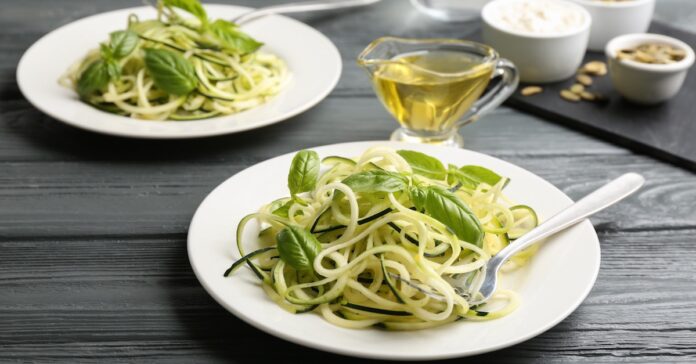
x,y
595,68
570,96
531,90
584,79
588,96
577,88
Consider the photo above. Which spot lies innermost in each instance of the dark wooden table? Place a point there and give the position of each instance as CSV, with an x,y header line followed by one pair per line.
x,y
93,264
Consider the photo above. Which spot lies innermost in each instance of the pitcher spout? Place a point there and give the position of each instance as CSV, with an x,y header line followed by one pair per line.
x,y
380,51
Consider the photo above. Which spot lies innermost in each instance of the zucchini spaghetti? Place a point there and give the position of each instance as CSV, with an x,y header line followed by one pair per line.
x,y
176,68
379,239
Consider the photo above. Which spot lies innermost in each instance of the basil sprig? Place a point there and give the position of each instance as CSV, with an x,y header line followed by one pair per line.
x,y
122,43
424,164
455,176
304,172
170,71
94,78
297,247
471,176
281,208
226,34
481,174
376,181
447,208
418,197
98,74
231,38
193,7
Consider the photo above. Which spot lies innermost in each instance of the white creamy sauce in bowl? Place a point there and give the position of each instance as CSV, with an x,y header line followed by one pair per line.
x,y
539,16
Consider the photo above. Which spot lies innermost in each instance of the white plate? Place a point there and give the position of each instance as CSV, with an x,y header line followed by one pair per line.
x,y
555,282
313,61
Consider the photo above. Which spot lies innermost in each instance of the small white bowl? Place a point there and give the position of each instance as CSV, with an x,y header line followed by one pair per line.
x,y
647,83
540,58
611,19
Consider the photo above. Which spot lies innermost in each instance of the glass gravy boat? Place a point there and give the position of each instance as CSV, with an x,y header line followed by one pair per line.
x,y
435,86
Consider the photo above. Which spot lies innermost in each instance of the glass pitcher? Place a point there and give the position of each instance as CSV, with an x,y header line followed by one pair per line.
x,y
435,86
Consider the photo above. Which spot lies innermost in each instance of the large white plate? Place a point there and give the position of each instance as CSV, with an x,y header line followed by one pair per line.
x,y
555,282
314,63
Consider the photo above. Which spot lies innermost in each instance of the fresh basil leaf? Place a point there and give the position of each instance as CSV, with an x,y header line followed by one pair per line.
x,y
297,247
231,38
105,51
304,172
376,181
170,71
193,7
283,209
123,43
113,69
454,175
481,174
418,197
424,164
93,78
447,208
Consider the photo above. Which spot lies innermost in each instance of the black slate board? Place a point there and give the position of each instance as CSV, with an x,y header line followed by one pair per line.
x,y
666,131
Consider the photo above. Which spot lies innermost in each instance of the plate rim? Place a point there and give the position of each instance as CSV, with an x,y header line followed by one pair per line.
x,y
159,135
366,355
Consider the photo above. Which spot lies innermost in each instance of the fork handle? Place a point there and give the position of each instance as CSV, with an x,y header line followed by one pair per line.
x,y
303,6
596,201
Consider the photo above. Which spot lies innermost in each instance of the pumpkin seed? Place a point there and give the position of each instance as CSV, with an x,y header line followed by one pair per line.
x,y
531,90
588,96
596,68
652,53
584,79
570,96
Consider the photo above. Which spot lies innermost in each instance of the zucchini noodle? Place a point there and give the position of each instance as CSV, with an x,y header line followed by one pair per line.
x,y
227,80
383,260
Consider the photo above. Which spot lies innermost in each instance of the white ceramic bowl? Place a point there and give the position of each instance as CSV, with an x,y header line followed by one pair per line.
x,y
540,58
611,19
647,83
450,10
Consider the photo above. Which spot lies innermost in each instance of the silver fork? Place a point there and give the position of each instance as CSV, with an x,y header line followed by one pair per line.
x,y
482,287
484,281
297,7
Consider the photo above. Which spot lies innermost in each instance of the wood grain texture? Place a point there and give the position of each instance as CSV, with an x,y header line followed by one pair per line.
x,y
137,299
93,264
123,199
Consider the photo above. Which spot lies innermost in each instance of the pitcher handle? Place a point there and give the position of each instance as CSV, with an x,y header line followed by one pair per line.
x,y
495,96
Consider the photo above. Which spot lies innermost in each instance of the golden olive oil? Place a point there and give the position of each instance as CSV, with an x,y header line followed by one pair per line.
x,y
430,91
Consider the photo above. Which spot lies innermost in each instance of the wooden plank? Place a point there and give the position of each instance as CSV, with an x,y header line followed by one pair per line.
x,y
28,135
145,198
137,299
